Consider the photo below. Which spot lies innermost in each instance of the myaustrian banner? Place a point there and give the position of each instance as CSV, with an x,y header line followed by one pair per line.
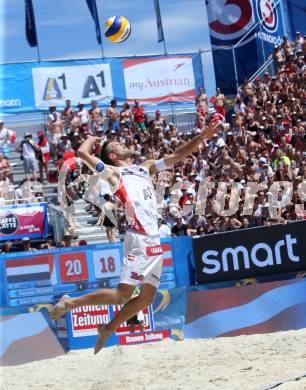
x,y
29,220
153,80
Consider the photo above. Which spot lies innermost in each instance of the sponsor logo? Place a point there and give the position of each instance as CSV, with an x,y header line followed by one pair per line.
x,y
124,328
267,13
8,224
126,172
143,338
136,276
275,40
10,103
229,20
261,255
176,81
150,83
80,82
154,250
155,277
86,318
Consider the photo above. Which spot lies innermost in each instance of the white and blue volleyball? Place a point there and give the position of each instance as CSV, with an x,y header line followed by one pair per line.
x,y
117,29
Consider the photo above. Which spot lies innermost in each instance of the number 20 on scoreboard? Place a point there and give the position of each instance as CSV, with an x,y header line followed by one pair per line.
x,y
73,267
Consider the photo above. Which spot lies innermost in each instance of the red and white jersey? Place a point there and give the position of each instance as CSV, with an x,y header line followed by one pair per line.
x,y
136,192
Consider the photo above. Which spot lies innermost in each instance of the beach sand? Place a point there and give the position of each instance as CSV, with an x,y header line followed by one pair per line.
x,y
229,363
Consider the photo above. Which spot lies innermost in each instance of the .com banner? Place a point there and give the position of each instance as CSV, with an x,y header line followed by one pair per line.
x,y
153,80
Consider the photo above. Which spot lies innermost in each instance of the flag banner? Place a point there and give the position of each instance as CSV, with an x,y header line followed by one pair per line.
x,y
248,31
270,30
26,270
30,24
160,30
94,13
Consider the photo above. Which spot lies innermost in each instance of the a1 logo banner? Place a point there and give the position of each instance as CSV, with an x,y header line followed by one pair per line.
x,y
79,83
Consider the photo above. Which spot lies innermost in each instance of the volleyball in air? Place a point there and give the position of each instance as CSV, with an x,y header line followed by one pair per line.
x,y
117,29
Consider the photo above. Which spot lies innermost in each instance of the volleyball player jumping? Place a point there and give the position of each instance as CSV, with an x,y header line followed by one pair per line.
x,y
143,255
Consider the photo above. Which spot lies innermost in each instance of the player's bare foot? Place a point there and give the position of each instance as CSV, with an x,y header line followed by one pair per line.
x,y
103,335
62,306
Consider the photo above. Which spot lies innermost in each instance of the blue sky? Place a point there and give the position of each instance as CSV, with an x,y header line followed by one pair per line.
x,y
66,31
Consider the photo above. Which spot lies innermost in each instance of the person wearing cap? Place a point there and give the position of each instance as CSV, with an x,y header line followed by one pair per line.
x,y
55,128
29,151
139,115
44,146
64,145
26,245
239,106
126,116
299,42
216,143
66,239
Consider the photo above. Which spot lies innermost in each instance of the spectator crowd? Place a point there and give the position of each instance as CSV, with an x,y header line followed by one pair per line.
x,y
260,138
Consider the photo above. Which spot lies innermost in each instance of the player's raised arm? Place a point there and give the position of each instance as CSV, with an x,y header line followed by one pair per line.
x,y
107,172
183,151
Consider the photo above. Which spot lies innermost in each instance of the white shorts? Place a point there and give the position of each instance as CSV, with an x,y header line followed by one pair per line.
x,y
142,261
56,138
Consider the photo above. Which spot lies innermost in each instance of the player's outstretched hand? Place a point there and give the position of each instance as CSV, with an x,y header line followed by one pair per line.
x,y
210,130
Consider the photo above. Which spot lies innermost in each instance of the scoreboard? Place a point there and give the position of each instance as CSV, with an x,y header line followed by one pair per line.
x,y
30,278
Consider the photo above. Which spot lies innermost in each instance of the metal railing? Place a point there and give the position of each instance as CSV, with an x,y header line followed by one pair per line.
x,y
183,117
58,222
268,66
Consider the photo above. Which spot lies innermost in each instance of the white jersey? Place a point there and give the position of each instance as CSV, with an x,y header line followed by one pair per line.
x,y
137,194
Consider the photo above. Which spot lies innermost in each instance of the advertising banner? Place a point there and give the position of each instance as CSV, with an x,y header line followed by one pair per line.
x,y
270,32
235,31
82,327
261,308
77,83
250,252
228,24
18,221
153,80
31,278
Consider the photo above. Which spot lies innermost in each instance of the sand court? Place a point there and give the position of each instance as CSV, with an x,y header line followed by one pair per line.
x,y
242,362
